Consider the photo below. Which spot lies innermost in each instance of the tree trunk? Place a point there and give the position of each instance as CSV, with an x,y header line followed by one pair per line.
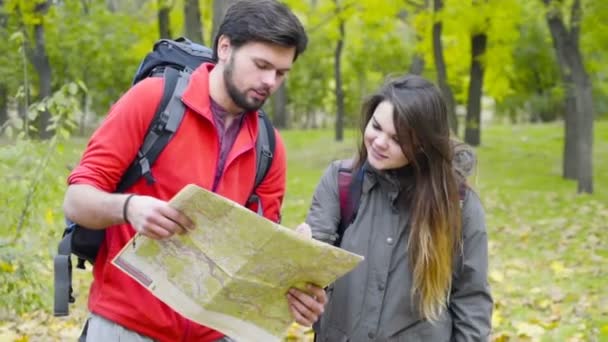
x,y
280,117
42,65
111,5
219,10
164,21
3,87
442,78
560,35
311,120
193,26
472,134
338,75
417,66
3,15
3,107
418,62
578,145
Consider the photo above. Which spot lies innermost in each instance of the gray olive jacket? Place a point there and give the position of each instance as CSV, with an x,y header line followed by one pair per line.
x,y
373,302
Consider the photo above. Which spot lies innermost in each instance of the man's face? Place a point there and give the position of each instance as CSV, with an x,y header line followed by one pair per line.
x,y
254,71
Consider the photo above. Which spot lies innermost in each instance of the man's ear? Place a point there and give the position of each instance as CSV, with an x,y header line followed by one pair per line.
x,y
224,49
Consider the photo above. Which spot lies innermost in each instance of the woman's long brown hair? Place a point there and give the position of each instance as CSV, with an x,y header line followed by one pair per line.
x,y
421,124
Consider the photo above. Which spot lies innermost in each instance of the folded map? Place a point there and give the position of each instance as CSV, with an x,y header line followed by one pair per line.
x,y
233,271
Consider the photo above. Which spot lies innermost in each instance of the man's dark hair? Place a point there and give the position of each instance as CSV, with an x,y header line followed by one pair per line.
x,y
263,21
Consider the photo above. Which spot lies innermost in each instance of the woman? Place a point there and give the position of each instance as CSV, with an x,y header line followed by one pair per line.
x,y
424,277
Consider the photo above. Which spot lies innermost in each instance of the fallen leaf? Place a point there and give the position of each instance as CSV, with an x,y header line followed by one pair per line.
x,y
7,267
559,269
8,335
525,329
497,276
556,294
496,318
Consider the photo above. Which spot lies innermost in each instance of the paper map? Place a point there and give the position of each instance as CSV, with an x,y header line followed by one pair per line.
x,y
233,271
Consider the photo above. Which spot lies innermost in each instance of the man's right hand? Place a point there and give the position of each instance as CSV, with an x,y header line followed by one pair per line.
x,y
155,218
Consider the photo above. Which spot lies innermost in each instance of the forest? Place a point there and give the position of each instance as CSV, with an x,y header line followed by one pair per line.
x,y
526,82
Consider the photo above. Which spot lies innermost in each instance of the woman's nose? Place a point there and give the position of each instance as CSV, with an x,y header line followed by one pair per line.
x,y
381,141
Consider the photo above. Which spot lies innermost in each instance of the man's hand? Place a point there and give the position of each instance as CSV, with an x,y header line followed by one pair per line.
x,y
306,307
155,218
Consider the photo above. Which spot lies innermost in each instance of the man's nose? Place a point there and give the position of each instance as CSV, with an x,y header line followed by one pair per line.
x,y
269,78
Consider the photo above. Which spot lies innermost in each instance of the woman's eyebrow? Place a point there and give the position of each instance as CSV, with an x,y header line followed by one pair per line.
x,y
375,122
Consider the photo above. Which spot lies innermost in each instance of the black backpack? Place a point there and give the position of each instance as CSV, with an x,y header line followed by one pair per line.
x,y
174,60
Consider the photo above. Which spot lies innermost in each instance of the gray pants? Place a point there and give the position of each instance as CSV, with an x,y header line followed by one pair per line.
x,y
99,329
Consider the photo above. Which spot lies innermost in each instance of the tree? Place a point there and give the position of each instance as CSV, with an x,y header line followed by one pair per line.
x,y
417,66
442,78
32,16
534,81
111,5
339,92
164,21
219,11
472,134
193,26
3,86
578,145
280,116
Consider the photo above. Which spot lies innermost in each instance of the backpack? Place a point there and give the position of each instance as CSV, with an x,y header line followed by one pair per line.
x,y
349,191
174,60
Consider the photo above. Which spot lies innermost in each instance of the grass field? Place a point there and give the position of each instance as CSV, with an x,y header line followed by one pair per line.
x,y
548,245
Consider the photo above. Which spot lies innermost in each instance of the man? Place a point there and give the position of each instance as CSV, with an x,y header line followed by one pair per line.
x,y
256,45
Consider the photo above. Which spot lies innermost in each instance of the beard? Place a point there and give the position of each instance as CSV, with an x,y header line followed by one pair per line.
x,y
240,98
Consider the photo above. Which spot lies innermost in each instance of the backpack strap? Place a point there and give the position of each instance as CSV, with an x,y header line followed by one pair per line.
x,y
264,151
62,266
349,191
166,121
463,187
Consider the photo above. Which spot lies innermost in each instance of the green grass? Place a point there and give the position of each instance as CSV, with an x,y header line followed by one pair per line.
x,y
548,245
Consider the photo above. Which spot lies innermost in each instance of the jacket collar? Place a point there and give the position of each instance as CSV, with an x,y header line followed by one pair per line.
x,y
391,182
196,97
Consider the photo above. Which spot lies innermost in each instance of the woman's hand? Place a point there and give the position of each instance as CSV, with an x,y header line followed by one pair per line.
x,y
306,308
304,230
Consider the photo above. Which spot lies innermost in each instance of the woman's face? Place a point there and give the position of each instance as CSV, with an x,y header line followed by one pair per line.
x,y
380,138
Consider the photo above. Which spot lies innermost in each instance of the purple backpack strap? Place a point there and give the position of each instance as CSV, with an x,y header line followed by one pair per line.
x,y
462,192
350,188
345,176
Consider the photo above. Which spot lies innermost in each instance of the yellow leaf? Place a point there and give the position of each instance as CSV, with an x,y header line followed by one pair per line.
x,y
6,267
502,337
496,276
558,268
8,335
496,318
530,330
49,218
544,303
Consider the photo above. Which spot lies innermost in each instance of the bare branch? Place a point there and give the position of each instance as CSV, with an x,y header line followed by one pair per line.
x,y
416,4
